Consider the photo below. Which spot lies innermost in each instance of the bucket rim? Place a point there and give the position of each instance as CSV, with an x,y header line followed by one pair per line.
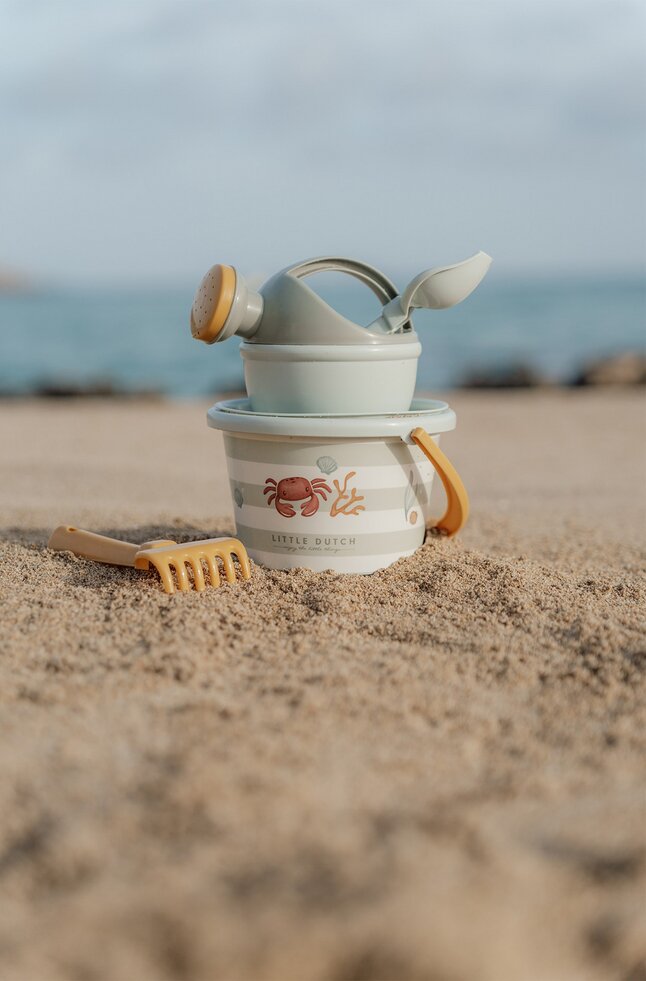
x,y
235,416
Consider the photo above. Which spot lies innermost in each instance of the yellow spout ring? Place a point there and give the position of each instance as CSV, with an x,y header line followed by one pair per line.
x,y
212,303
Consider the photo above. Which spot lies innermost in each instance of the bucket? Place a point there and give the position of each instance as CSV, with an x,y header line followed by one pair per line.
x,y
341,492
310,378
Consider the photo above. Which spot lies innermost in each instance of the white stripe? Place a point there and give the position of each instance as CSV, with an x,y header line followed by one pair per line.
x,y
318,563
368,478
321,523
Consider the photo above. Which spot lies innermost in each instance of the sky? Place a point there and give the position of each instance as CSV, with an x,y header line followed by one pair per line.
x,y
143,141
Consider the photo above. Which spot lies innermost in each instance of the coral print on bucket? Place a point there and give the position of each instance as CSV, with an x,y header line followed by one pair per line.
x,y
346,502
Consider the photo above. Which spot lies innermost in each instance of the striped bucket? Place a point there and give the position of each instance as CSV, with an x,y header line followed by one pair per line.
x,y
347,493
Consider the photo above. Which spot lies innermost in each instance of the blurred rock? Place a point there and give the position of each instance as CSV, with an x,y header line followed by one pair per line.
x,y
504,376
72,390
621,369
219,392
14,282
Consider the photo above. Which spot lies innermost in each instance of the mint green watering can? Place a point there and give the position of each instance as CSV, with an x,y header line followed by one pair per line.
x,y
303,357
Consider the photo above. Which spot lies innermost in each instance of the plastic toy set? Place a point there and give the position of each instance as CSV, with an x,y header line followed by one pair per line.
x,y
331,459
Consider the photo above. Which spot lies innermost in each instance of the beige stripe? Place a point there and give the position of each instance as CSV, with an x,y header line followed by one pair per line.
x,y
348,453
342,544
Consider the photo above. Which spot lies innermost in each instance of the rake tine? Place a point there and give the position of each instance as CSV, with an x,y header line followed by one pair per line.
x,y
227,562
214,571
198,573
243,561
166,575
180,572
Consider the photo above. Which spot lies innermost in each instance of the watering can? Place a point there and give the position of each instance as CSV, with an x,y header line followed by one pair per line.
x,y
303,357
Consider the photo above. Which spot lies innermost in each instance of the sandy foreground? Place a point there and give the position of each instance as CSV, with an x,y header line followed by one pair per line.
x,y
435,772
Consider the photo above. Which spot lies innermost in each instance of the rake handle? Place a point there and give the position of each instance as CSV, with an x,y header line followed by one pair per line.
x,y
99,548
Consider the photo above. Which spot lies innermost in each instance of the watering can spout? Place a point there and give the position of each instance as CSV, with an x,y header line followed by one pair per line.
x,y
224,305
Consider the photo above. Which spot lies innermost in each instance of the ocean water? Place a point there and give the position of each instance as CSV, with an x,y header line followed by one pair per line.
x,y
140,339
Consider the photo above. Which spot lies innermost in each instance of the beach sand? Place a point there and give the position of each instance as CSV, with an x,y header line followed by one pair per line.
x,y
435,772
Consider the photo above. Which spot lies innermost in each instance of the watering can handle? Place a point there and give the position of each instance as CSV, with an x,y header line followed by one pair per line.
x,y
457,508
381,286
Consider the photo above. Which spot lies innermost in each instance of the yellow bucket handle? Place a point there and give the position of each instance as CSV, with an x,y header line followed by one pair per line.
x,y
457,506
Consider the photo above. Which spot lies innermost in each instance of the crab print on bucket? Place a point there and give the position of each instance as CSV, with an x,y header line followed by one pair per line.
x,y
296,489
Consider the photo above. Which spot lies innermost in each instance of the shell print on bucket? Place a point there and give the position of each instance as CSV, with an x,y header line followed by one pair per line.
x,y
327,464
